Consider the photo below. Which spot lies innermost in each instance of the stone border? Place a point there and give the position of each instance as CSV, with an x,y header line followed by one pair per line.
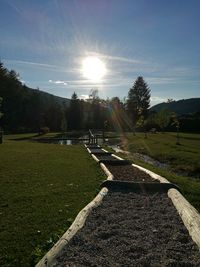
x,y
49,260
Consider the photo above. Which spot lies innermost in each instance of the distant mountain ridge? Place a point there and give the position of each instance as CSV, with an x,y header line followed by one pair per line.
x,y
183,106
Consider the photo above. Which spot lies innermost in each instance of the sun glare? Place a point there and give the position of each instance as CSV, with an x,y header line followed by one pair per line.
x,y
93,69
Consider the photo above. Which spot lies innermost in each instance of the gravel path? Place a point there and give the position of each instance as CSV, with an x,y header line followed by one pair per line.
x,y
130,173
132,230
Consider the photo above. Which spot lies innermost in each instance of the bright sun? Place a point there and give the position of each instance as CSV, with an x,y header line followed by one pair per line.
x,y
93,69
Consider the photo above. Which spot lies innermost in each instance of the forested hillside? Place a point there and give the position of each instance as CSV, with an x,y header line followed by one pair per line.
x,y
31,110
181,107
25,109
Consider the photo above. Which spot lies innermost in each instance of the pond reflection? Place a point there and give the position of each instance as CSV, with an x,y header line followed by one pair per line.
x,y
65,142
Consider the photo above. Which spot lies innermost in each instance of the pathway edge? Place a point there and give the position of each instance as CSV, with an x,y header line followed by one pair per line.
x,y
188,214
49,259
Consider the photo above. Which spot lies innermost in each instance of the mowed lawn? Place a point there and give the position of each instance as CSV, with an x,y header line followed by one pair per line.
x,y
42,189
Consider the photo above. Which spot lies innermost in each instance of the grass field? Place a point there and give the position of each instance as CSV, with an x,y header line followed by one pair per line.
x,y
182,158
42,188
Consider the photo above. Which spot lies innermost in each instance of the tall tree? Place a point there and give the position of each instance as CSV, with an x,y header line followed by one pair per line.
x,y
1,114
138,100
162,118
74,114
25,109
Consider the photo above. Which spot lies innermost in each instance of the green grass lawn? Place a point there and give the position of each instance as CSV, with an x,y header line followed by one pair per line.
x,y
42,188
183,158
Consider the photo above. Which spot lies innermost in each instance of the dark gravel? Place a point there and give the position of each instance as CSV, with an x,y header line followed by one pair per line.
x,y
105,157
130,173
132,230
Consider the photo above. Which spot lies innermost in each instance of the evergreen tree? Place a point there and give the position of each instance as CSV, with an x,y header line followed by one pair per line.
x,y
26,109
138,100
1,114
74,118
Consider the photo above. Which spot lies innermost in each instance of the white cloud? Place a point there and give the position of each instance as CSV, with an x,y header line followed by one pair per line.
x,y
58,82
157,99
84,97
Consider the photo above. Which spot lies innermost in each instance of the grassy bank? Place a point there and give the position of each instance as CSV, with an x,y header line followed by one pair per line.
x,y
42,188
183,158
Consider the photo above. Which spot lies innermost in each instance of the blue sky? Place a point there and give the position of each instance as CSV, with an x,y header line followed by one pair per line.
x,y
46,41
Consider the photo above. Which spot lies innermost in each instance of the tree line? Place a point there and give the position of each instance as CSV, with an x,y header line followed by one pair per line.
x,y
23,109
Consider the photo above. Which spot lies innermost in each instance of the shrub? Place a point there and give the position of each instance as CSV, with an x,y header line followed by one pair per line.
x,y
44,130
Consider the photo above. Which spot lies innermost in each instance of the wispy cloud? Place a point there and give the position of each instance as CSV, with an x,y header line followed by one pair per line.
x,y
160,80
115,58
58,82
42,65
84,83
172,80
17,9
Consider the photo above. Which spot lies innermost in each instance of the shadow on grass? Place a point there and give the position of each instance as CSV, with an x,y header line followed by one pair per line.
x,y
26,137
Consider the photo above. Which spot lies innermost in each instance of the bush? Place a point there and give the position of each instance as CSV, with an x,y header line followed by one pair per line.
x,y
44,130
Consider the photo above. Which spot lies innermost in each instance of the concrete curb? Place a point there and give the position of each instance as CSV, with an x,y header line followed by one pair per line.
x,y
49,260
